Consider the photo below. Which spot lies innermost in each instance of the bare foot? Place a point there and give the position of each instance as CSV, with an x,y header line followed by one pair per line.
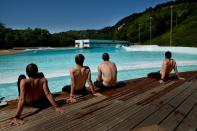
x,y
72,100
181,78
59,109
97,94
161,81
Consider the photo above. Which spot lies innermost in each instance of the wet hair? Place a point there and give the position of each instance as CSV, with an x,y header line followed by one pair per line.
x,y
22,76
79,59
40,75
105,56
168,54
32,70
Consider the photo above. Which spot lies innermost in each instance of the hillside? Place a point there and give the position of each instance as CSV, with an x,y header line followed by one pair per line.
x,y
184,25
184,33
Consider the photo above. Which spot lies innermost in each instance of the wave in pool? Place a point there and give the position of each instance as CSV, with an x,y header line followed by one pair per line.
x,y
48,48
156,48
120,67
147,65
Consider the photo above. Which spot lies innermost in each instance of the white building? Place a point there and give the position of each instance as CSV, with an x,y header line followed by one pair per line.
x,y
98,43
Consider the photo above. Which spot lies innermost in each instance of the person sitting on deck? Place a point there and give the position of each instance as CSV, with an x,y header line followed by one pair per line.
x,y
79,75
167,66
107,74
33,92
22,76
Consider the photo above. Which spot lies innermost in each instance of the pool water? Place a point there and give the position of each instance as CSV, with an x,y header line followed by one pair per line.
x,y
132,62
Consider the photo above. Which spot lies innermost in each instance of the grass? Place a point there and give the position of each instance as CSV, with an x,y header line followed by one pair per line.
x,y
185,34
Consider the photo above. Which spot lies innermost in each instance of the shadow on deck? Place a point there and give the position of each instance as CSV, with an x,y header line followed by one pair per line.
x,y
141,105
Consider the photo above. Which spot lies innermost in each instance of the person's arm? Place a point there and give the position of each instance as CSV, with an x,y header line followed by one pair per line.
x,y
72,99
91,86
163,72
72,82
16,120
176,72
99,74
116,70
50,96
90,82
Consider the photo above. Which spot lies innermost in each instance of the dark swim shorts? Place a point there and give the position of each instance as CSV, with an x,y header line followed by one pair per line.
x,y
82,91
157,75
102,87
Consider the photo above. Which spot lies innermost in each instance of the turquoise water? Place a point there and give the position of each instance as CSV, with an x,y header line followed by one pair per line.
x,y
55,64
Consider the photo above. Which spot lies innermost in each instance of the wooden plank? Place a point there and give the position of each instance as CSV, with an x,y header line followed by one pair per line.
x,y
159,115
122,116
133,121
46,116
97,109
130,89
175,118
161,93
171,105
190,122
101,118
60,125
7,114
93,124
154,89
92,117
149,128
117,118
140,90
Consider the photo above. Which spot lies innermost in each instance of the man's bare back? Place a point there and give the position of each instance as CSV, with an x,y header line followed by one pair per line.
x,y
109,73
80,75
167,66
34,89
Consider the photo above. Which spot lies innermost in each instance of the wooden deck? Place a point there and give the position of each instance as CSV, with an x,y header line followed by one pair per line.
x,y
141,105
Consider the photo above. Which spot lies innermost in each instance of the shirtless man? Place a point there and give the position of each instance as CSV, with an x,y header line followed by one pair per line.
x,y
167,66
33,92
79,75
107,73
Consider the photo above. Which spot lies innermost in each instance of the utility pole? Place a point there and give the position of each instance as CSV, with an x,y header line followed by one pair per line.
x,y
139,34
171,27
150,30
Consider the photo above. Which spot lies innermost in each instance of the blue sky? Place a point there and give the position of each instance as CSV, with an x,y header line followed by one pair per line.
x,y
64,15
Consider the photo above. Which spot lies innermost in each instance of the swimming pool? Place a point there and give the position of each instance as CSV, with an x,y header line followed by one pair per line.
x,y
132,62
